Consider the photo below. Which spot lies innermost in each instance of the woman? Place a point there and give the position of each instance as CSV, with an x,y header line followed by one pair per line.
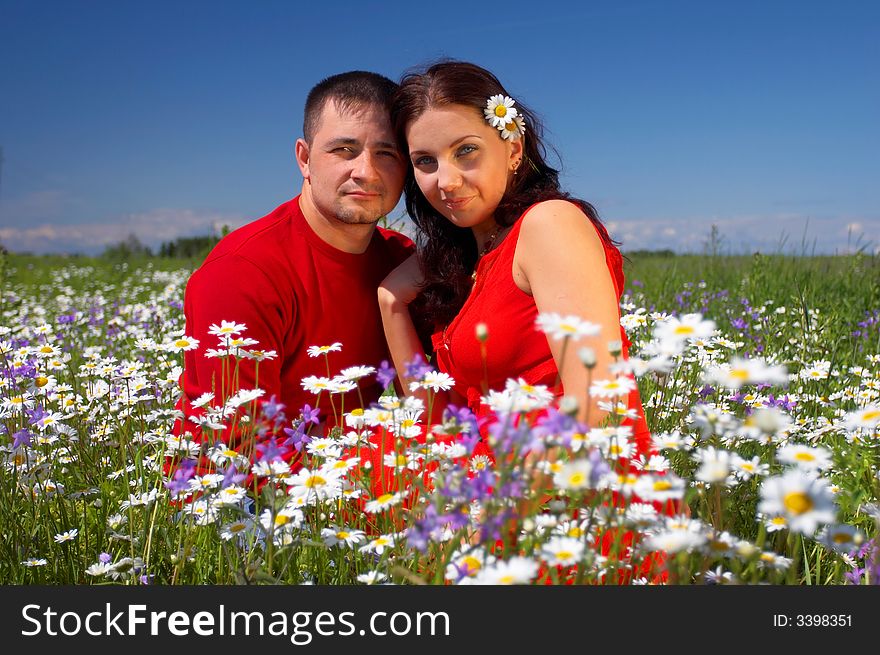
x,y
500,243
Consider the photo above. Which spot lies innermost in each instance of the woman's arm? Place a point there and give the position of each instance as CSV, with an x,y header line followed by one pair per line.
x,y
560,261
396,292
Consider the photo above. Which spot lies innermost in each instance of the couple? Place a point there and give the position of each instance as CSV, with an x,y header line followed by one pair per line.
x,y
499,243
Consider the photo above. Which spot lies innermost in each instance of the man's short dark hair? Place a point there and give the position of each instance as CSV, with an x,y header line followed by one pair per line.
x,y
350,90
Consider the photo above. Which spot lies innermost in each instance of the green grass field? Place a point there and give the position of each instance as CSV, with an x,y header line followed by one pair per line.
x,y
90,379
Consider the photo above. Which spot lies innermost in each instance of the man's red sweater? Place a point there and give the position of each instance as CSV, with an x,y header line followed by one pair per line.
x,y
292,290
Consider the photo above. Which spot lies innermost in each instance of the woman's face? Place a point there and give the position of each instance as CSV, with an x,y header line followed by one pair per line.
x,y
461,163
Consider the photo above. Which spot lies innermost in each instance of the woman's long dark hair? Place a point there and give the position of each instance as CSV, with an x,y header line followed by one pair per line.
x,y
448,253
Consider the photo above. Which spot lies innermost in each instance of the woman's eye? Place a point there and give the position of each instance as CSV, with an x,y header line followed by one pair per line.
x,y
423,161
467,149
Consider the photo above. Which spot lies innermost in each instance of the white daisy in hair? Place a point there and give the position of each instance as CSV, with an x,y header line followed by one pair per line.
x,y
500,110
513,129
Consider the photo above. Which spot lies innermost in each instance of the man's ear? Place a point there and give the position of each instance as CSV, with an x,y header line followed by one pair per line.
x,y
302,157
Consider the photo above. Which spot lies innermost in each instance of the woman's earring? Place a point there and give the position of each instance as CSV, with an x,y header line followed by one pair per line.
x,y
516,167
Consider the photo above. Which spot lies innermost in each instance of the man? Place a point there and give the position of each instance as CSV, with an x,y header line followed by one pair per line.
x,y
305,275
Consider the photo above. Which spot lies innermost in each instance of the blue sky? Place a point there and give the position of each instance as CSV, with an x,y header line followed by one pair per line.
x,y
168,119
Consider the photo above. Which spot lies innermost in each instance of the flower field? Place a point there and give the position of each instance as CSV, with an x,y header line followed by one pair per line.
x,y
760,378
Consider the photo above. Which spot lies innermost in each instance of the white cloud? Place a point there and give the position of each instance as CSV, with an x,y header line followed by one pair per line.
x,y
151,228
768,233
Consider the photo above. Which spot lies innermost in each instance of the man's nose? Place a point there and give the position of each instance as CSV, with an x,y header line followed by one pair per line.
x,y
365,167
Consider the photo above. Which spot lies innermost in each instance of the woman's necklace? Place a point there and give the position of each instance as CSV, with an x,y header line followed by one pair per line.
x,y
486,248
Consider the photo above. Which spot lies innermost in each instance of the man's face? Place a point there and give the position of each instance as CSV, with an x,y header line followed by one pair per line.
x,y
353,165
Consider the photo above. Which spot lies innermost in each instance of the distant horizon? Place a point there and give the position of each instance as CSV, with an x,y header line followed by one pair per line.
x,y
722,247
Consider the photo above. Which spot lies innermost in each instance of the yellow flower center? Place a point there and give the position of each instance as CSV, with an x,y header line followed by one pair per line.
x,y
564,554
281,519
315,481
739,373
797,502
841,538
342,534
662,485
684,329
507,579
472,564
805,457
40,381
46,349
237,527
384,498
181,343
871,415
577,479
500,111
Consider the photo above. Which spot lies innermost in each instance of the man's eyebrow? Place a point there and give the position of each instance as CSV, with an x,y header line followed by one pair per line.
x,y
343,141
386,144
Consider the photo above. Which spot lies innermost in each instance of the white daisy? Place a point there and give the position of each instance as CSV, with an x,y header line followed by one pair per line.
x,y
689,326
317,351
336,536
382,503
867,418
183,343
562,551
513,129
500,110
315,384
561,327
70,535
226,328
805,457
804,500
379,544
516,570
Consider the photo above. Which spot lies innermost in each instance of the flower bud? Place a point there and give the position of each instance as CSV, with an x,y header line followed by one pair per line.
x,y
568,405
615,347
588,357
482,332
